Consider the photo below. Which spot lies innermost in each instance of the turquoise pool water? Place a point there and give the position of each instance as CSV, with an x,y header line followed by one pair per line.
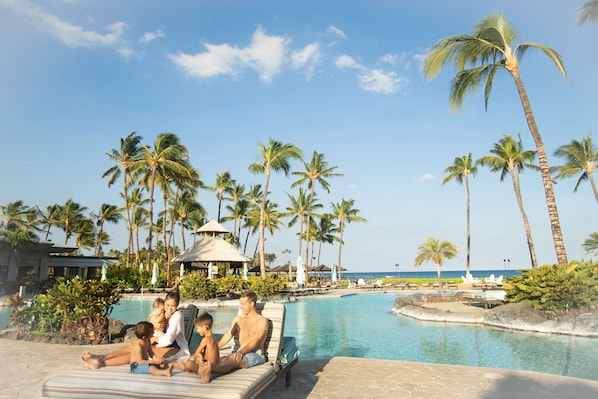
x,y
363,326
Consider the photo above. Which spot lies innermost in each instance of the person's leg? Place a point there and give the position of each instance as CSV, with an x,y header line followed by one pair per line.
x,y
117,360
163,353
155,370
223,366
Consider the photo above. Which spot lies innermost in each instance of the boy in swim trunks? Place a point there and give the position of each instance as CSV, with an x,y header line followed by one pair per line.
x,y
207,350
141,352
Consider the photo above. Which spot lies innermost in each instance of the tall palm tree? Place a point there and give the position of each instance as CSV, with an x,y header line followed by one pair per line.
x,y
275,157
510,157
161,161
195,219
85,234
49,218
344,213
478,57
317,171
581,159
16,238
108,213
459,171
254,195
222,186
588,12
433,250
127,153
185,204
590,245
237,212
71,214
324,232
298,211
138,214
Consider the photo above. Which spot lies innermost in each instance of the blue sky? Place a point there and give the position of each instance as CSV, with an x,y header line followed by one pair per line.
x,y
339,77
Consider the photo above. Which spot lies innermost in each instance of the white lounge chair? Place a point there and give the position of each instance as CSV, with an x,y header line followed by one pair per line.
x,y
118,382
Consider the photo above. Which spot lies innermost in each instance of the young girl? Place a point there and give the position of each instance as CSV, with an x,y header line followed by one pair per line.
x,y
157,317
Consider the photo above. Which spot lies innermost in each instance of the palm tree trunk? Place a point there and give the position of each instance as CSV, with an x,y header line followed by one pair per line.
x,y
528,232
555,225
593,184
151,218
311,196
128,216
263,225
341,226
468,258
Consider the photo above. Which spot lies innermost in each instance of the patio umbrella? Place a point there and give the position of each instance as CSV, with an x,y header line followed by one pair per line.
x,y
244,270
182,271
104,270
210,270
300,272
333,276
155,273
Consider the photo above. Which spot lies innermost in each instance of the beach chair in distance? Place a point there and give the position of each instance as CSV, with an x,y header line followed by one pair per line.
x,y
118,382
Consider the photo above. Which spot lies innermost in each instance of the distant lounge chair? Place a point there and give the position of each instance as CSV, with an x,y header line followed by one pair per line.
x,y
118,382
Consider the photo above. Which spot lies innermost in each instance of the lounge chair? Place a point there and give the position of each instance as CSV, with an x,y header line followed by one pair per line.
x,y
118,382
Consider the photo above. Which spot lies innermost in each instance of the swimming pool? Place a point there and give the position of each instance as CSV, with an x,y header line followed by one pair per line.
x,y
363,326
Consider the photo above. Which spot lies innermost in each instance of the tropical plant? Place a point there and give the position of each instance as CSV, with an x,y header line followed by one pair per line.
x,y
298,210
556,288
275,157
478,57
591,244
49,218
459,171
71,214
581,159
344,213
223,185
316,171
16,215
127,153
510,157
435,251
197,286
324,232
588,12
267,286
108,213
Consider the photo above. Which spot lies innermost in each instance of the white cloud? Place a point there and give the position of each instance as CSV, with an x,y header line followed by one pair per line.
x,y
389,59
427,176
346,61
333,30
378,81
70,34
306,58
149,36
125,51
266,55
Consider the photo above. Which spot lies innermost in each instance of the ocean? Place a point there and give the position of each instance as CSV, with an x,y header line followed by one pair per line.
x,y
453,274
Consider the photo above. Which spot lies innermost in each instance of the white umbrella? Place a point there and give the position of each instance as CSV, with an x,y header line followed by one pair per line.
x,y
155,273
244,270
300,272
210,270
333,275
141,267
182,271
104,270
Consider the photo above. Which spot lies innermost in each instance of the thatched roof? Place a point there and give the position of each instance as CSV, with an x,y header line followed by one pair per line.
x,y
211,250
212,227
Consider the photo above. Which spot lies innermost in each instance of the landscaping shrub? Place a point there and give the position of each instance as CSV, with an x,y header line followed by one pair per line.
x,y
197,286
267,287
231,283
556,288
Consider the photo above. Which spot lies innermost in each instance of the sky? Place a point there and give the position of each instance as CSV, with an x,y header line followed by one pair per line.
x,y
342,78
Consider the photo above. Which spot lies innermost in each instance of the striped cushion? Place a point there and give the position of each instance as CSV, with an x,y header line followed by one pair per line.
x,y
118,382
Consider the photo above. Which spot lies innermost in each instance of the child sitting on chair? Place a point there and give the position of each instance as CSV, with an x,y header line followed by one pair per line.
x,y
141,352
157,317
208,347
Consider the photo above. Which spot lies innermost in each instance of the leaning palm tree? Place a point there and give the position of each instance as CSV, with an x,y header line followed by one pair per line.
x,y
478,57
510,157
276,156
298,210
48,218
588,12
433,250
344,213
223,185
460,171
127,153
317,171
324,233
581,159
590,245
16,214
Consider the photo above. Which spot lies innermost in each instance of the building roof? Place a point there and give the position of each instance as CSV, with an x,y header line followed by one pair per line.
x,y
211,250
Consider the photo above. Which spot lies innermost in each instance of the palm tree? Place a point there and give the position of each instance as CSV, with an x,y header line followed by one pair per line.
x,y
460,171
344,213
582,159
16,238
433,250
510,157
591,244
71,214
125,156
185,205
237,212
163,161
485,52
275,157
138,215
254,194
298,210
85,234
49,218
317,171
324,232
588,12
108,213
222,186
16,215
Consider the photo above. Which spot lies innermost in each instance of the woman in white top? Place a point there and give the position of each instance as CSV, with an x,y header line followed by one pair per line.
x,y
170,344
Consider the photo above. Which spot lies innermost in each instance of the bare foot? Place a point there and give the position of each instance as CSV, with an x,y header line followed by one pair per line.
x,y
205,371
169,369
180,365
91,362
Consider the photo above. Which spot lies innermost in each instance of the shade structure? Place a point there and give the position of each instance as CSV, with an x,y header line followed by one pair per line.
x,y
211,250
284,268
300,271
212,228
333,275
155,273
104,271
